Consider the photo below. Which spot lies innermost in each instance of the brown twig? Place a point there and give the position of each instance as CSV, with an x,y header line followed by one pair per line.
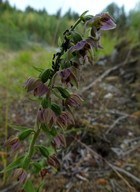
x,y
107,72
100,78
114,168
115,123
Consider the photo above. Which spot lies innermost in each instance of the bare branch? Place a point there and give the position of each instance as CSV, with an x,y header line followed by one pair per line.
x,y
100,78
115,123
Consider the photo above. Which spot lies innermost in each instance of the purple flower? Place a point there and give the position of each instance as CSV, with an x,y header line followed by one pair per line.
x,y
58,141
74,100
107,22
40,90
94,42
101,21
83,50
65,75
32,83
20,174
43,172
14,143
37,85
53,161
82,47
47,117
68,76
64,120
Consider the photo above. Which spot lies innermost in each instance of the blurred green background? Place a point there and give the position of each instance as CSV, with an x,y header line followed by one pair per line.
x,y
27,39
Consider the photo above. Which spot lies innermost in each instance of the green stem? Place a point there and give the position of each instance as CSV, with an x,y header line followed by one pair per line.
x,y
75,24
6,126
57,61
31,150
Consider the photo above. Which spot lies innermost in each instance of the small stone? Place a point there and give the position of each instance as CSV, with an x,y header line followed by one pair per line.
x,y
123,146
13,115
130,133
128,168
92,94
108,96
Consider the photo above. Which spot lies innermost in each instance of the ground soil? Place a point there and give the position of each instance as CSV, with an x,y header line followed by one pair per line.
x,y
106,137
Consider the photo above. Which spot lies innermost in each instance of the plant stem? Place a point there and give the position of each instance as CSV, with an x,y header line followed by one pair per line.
x,y
31,150
6,123
55,65
75,24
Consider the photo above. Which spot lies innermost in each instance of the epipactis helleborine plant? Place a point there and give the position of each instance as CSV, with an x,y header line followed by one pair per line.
x,y
53,119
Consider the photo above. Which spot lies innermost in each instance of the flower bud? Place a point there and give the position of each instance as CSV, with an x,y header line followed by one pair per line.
x,y
20,174
43,173
74,100
32,83
62,139
53,161
14,143
40,90
64,120
47,117
58,141
67,76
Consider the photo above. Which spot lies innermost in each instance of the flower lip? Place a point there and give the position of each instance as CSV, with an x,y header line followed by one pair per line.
x,y
107,22
65,75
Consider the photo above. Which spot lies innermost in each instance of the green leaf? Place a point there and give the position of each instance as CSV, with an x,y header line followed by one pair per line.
x,y
13,165
38,69
29,186
73,80
24,134
51,150
42,162
19,128
88,17
44,151
37,167
40,187
76,37
35,99
83,14
46,131
57,95
44,75
53,131
56,108
44,102
64,92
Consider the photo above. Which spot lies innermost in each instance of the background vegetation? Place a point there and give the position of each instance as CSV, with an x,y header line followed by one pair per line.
x,y
26,38
18,28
